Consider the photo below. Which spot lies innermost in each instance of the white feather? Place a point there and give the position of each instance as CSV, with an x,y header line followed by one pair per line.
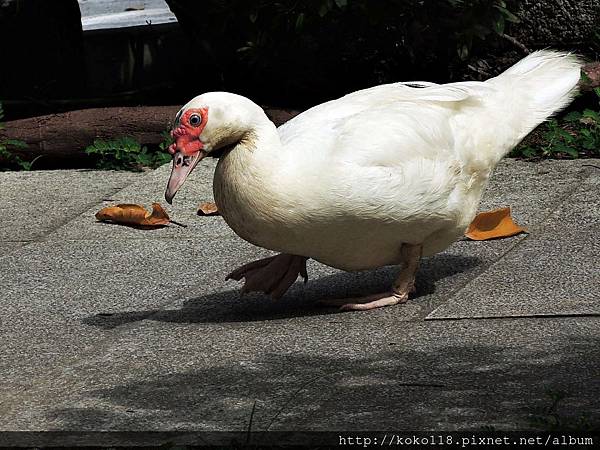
x,y
349,181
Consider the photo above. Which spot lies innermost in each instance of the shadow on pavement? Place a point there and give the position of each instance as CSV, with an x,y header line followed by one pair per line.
x,y
228,306
439,387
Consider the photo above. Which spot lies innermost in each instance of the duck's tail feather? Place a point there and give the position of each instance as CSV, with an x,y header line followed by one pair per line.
x,y
539,86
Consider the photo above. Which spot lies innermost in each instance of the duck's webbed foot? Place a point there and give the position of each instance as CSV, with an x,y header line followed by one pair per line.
x,y
273,275
402,287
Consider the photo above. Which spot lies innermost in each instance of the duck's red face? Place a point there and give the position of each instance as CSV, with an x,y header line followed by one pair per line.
x,y
188,149
188,130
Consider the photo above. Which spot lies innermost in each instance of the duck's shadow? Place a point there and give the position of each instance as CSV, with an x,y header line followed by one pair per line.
x,y
227,306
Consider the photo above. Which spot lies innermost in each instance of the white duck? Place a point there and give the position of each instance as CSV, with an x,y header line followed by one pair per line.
x,y
381,176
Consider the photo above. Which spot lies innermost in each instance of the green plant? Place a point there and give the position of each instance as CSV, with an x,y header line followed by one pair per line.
x,y
9,158
167,140
302,49
125,153
479,20
574,135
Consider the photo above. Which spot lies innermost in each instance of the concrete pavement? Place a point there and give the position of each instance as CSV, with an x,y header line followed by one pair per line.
x,y
105,327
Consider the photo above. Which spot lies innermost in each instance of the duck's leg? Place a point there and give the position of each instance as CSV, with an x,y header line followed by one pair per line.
x,y
273,275
404,285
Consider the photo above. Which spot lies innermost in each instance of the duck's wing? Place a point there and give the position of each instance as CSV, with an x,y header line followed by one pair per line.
x,y
396,162
332,113
402,154
384,123
390,171
397,159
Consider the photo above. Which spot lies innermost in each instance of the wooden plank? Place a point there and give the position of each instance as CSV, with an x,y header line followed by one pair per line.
x,y
128,19
66,135
110,14
100,7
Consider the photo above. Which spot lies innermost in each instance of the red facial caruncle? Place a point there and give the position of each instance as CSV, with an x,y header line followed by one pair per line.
x,y
188,149
187,133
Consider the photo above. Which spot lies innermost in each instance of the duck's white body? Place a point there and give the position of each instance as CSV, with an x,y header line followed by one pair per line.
x,y
349,181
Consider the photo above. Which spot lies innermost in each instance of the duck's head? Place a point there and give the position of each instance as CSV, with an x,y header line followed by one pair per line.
x,y
204,125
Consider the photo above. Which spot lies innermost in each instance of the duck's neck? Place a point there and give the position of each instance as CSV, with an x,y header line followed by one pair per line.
x,y
257,150
247,179
260,141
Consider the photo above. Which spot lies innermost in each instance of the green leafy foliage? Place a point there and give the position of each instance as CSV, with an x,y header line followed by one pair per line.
x,y
574,135
300,49
8,158
167,141
479,20
125,153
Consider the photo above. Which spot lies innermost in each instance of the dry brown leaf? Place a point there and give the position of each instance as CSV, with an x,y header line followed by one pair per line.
x,y
134,215
208,209
492,225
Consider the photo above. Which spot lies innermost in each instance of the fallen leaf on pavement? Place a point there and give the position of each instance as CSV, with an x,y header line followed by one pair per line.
x,y
492,225
208,209
135,215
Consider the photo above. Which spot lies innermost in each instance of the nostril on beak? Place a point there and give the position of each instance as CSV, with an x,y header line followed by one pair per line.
x,y
179,160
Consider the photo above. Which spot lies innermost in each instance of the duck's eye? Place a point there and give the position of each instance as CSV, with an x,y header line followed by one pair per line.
x,y
195,120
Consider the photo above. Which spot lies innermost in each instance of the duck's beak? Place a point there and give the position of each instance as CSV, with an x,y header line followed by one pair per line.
x,y
182,167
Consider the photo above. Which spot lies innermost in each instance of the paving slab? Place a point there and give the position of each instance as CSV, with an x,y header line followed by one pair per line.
x,y
325,372
557,263
532,189
197,189
111,328
35,203
6,247
49,288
